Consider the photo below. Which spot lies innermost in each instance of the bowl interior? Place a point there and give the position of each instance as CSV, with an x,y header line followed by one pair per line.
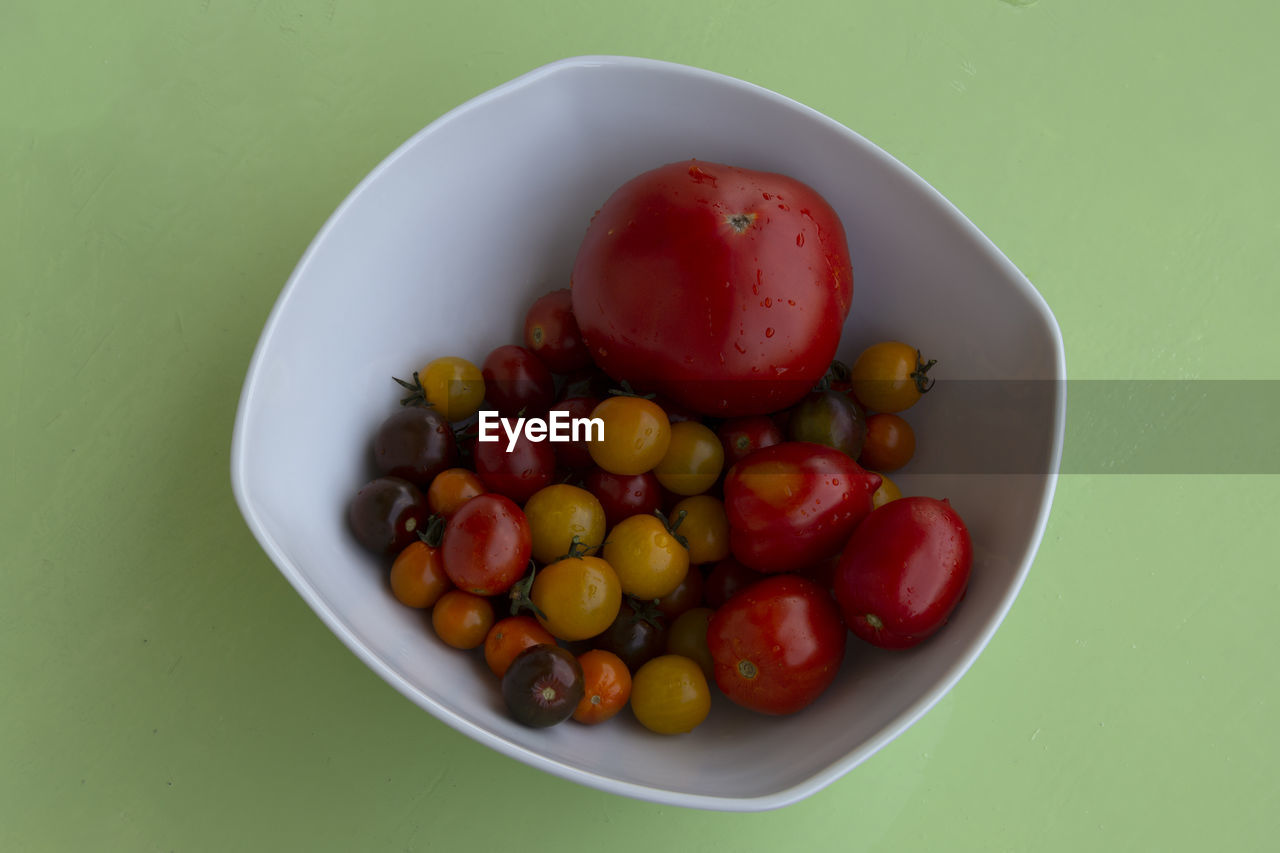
x,y
440,251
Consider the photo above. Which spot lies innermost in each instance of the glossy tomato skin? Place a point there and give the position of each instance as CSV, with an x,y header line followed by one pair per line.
x,y
415,444
518,474
650,295
551,333
387,514
777,645
516,382
743,436
794,504
903,572
574,455
486,545
623,496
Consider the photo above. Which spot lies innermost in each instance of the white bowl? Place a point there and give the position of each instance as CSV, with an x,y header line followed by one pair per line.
x,y
443,246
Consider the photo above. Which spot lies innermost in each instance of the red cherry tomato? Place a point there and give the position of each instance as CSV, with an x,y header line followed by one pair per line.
x,y
794,504
516,383
777,645
486,546
743,436
903,572
529,466
574,455
551,333
624,496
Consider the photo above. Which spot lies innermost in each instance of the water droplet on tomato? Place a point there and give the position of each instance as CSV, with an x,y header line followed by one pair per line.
x,y
768,333
800,239
740,348
768,303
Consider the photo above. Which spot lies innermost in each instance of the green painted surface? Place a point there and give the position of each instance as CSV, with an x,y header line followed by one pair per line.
x,y
164,164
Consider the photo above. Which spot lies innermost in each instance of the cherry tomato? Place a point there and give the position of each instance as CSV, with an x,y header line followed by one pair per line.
x,y
903,572
516,383
669,695
606,686
509,637
636,435
685,596
462,620
831,419
518,473
418,578
575,455
577,597
777,645
648,558
705,528
414,444
386,515
486,545
688,638
742,436
693,460
542,686
452,386
726,579
890,376
888,491
794,504
890,443
551,333
637,635
624,495
557,514
451,489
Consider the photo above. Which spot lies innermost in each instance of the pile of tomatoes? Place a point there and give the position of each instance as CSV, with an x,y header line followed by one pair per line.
x,y
678,554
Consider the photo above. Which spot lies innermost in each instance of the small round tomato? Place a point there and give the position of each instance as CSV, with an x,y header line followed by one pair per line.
x,y
516,383
542,686
888,491
648,558
687,595
705,528
606,685
462,620
688,637
904,570
693,460
418,578
509,637
517,473
451,489
486,545
636,435
386,515
726,579
623,495
777,645
551,333
558,515
890,376
414,444
890,443
742,436
452,386
831,419
637,635
669,695
574,455
576,598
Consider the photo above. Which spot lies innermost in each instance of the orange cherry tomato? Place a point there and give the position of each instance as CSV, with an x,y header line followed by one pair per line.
x,y
417,576
890,443
451,489
890,376
462,619
608,686
509,637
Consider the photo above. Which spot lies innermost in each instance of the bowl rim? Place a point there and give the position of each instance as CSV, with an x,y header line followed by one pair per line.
x,y
844,763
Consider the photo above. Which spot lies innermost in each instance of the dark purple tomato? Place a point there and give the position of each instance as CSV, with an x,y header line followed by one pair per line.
x,y
386,515
542,686
831,419
414,444
638,635
516,383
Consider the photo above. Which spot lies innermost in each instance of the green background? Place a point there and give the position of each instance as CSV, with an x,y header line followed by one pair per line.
x,y
163,164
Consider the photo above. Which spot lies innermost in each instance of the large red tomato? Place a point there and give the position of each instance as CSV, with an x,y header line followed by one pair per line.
x,y
777,644
903,572
794,504
724,289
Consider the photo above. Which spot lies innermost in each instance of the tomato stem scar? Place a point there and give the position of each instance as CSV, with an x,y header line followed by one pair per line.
x,y
747,669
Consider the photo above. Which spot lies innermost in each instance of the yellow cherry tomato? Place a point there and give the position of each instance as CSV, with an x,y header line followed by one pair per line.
x,y
693,459
557,514
578,597
890,376
705,528
649,560
453,386
888,491
636,435
669,695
